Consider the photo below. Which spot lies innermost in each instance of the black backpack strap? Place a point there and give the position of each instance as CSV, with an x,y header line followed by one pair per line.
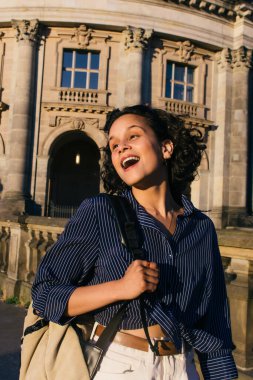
x,y
128,226
129,231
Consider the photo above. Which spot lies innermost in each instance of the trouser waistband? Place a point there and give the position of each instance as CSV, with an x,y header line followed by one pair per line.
x,y
138,343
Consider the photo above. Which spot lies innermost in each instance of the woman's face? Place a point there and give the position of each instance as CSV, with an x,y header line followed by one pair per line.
x,y
137,155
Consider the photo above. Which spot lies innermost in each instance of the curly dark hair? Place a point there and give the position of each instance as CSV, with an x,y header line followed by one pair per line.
x,y
186,157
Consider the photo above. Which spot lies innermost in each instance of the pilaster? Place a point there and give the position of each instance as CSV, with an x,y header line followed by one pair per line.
x,y
231,137
134,43
223,120
17,187
237,206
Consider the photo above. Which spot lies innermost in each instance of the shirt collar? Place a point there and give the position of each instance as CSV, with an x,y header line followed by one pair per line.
x,y
187,204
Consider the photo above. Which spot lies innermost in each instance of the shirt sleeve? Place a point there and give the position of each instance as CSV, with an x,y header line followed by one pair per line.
x,y
218,364
66,264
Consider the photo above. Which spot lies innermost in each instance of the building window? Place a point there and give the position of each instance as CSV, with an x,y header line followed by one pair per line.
x,y
179,82
80,69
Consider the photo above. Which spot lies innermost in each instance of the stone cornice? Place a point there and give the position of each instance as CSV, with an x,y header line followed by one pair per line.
x,y
225,9
26,29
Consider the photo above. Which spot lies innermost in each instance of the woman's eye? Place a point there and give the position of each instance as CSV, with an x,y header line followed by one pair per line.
x,y
132,137
114,146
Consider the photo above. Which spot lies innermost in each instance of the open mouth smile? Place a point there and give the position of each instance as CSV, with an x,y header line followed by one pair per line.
x,y
129,161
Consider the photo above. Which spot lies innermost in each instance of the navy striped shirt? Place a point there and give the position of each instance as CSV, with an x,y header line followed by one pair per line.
x,y
190,302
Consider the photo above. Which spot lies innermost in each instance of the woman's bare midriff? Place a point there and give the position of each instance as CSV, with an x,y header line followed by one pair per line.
x,y
154,332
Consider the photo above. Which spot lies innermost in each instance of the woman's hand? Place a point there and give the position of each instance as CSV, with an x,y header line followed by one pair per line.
x,y
141,276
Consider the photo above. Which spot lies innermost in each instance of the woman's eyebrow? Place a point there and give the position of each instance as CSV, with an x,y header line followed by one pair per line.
x,y
131,126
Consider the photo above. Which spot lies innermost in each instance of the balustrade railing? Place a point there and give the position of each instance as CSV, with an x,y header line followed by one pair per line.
x,y
79,96
40,238
180,107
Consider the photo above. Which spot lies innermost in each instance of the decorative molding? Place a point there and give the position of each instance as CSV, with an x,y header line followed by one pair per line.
x,y
26,29
238,58
224,58
84,108
77,123
244,10
225,9
185,50
242,57
136,38
82,36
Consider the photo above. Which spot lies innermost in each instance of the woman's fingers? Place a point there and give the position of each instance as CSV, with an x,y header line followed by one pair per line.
x,y
141,276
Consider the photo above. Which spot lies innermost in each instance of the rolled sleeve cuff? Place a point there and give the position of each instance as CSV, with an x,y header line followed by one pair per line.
x,y
55,304
218,367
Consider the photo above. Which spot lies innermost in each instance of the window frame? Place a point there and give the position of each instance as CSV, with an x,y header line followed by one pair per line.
x,y
183,83
73,69
96,44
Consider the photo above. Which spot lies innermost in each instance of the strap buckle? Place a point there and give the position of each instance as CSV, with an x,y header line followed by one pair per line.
x,y
164,347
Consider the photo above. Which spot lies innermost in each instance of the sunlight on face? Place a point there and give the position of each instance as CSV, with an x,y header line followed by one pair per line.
x,y
136,152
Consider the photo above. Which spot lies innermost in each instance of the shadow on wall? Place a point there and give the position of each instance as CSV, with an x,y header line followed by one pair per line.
x,y
1,188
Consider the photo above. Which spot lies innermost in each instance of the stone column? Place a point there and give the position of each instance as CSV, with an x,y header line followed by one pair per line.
x,y
19,153
241,64
135,41
220,164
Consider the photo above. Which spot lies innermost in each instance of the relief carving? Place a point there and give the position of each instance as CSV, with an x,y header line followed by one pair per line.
x,y
185,50
224,58
136,38
26,29
82,36
73,122
241,57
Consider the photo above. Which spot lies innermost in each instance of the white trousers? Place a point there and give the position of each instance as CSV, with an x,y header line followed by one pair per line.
x,y
124,363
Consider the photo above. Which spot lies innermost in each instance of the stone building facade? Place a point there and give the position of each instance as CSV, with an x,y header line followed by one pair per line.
x,y
65,64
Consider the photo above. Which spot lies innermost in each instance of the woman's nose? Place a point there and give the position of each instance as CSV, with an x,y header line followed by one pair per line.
x,y
123,147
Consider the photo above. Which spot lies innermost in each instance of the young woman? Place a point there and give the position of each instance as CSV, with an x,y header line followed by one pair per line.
x,y
151,158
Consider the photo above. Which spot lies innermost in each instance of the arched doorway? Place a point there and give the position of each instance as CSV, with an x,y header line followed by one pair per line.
x,y
73,173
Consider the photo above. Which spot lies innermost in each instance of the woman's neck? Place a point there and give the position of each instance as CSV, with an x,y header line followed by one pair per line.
x,y
157,200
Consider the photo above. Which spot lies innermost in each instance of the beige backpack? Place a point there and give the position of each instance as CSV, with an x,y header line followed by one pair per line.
x,y
53,352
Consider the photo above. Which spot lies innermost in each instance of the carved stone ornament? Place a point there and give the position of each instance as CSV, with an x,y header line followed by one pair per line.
x,y
241,57
26,29
82,36
1,35
73,122
185,50
136,38
224,58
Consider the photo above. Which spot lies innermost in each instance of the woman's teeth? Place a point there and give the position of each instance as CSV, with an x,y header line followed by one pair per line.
x,y
129,161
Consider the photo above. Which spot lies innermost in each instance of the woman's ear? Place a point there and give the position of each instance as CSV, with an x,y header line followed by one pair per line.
x,y
167,149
